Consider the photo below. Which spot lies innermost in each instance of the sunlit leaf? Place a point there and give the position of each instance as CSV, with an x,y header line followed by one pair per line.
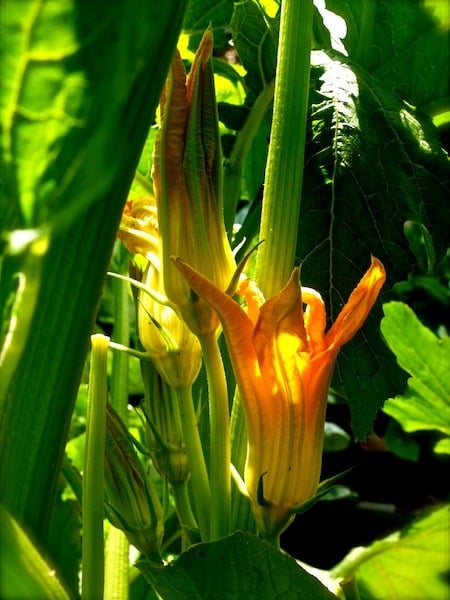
x,y
409,46
411,563
24,573
372,163
425,405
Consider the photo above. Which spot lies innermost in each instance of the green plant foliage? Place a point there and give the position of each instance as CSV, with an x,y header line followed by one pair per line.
x,y
373,162
255,35
66,557
411,563
24,573
79,89
409,45
240,566
426,403
201,14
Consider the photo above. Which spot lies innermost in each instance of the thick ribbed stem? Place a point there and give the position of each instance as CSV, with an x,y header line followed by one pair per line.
x,y
284,173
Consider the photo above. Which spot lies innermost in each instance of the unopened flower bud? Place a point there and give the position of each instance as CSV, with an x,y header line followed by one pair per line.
x,y
132,504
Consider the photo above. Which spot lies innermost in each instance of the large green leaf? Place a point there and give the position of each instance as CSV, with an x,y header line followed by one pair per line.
x,y
238,566
373,163
426,402
411,563
79,90
24,573
407,45
255,35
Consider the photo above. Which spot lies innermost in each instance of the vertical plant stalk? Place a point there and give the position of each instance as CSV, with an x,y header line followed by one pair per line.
x,y
93,559
220,454
196,459
285,162
241,512
117,546
233,166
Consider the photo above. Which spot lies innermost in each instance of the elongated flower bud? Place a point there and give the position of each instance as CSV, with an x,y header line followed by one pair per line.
x,y
132,504
187,178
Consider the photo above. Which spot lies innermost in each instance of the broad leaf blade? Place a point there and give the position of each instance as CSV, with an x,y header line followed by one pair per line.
x,y
23,572
373,164
255,35
240,566
409,49
411,563
426,402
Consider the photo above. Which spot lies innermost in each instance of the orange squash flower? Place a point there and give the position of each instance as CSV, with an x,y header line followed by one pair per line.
x,y
283,362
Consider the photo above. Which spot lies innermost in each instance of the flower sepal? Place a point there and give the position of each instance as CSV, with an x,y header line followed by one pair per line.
x,y
324,488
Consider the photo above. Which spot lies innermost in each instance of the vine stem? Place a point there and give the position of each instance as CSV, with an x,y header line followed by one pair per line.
x,y
93,557
285,162
196,459
117,546
219,419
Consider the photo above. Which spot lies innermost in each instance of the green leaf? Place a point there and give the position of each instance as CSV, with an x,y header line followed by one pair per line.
x,y
411,563
238,566
409,45
255,36
66,557
202,14
24,573
372,164
79,90
426,403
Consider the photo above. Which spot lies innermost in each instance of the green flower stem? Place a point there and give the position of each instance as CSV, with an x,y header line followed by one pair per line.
x,y
93,559
241,513
284,172
196,459
232,173
183,508
219,419
120,335
117,546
